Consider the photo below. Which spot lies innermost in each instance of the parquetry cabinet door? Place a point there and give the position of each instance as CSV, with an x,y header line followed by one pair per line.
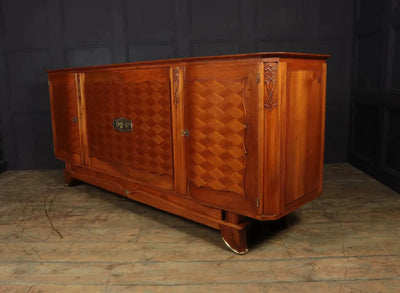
x,y
64,111
128,124
221,106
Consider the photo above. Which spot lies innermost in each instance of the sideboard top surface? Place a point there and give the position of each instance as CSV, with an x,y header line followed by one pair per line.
x,y
197,59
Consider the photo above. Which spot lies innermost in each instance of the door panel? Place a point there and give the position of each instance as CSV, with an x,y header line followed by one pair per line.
x,y
64,110
222,101
142,97
217,149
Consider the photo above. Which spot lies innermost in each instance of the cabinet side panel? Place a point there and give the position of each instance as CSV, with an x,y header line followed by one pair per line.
x,y
304,129
63,97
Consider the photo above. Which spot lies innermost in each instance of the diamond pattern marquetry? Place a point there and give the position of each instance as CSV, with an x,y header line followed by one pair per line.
x,y
217,129
148,147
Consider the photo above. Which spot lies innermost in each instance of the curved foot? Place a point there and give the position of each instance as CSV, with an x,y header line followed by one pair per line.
x,y
235,238
236,248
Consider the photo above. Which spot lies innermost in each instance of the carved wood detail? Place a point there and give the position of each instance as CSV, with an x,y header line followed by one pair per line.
x,y
176,75
270,83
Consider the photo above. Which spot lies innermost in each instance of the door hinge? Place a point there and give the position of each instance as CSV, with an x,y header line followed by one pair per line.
x,y
258,202
185,132
258,77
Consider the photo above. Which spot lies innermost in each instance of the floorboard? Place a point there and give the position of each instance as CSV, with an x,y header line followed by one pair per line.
x,y
84,239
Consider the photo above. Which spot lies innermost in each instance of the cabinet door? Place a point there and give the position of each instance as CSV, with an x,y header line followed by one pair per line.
x,y
222,102
64,111
128,124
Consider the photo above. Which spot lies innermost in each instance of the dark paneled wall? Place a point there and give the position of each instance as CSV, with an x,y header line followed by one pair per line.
x,y
2,161
375,114
48,34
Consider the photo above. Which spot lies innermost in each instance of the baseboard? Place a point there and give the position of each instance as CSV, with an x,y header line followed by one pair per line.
x,y
3,166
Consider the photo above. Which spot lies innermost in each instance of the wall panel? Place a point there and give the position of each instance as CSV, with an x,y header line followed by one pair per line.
x,y
26,21
150,20
27,87
222,47
280,45
47,34
369,15
151,51
329,26
277,21
395,74
87,21
392,143
31,129
336,127
335,78
2,24
368,69
375,119
365,130
215,18
3,164
89,56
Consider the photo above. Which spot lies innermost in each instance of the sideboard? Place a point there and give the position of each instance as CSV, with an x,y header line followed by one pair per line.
x,y
218,140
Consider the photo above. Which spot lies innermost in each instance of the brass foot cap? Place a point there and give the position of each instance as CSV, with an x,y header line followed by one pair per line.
x,y
234,250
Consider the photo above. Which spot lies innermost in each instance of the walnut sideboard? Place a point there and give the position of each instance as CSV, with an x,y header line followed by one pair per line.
x,y
216,140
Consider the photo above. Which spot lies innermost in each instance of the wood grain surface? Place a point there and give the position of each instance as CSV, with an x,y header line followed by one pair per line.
x,y
212,139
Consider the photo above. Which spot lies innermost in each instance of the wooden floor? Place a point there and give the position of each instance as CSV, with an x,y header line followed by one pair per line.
x,y
84,239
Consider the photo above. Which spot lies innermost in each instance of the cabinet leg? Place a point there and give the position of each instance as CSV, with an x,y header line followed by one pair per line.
x,y
235,237
68,179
